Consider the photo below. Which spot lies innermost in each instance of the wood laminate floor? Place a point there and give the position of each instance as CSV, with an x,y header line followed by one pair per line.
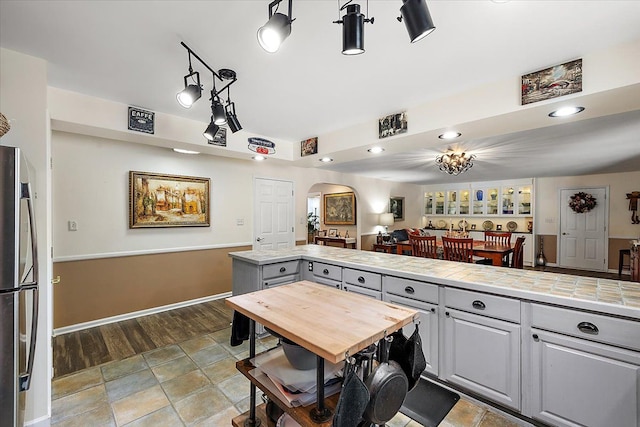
x,y
116,341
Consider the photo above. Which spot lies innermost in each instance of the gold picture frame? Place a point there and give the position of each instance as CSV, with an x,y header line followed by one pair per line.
x,y
158,200
339,209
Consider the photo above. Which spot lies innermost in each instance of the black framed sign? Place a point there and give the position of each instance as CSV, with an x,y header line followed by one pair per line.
x,y
220,138
141,120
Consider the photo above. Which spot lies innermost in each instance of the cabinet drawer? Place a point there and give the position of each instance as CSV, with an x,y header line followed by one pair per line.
x,y
363,291
362,278
594,327
483,304
280,269
328,271
420,291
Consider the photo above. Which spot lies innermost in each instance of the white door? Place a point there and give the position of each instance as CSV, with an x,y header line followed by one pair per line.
x,y
273,210
583,235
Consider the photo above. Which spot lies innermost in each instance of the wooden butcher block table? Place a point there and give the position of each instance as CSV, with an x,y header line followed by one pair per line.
x,y
325,321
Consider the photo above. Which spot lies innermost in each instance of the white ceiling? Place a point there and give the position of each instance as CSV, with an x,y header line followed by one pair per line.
x,y
129,51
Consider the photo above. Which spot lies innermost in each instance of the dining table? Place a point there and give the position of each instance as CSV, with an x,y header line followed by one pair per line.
x,y
486,249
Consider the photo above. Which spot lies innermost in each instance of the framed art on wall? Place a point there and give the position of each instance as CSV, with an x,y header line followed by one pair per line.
x,y
340,209
396,207
157,200
309,147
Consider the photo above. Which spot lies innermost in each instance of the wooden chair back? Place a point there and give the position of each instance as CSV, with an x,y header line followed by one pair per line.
x,y
499,237
517,257
423,246
456,249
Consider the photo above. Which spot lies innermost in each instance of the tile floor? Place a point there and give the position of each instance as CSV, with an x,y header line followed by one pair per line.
x,y
194,383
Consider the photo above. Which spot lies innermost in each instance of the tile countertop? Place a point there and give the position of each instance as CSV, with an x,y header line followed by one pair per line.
x,y
587,293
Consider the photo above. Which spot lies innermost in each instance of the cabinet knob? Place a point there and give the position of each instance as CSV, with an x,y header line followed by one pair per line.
x,y
325,271
283,269
446,313
360,279
433,310
409,290
477,304
588,328
536,338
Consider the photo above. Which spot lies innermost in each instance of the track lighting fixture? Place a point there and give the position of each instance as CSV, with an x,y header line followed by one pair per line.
x,y
277,28
417,19
192,93
232,119
353,28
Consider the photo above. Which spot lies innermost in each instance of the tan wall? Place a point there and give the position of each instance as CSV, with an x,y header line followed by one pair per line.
x,y
614,252
99,288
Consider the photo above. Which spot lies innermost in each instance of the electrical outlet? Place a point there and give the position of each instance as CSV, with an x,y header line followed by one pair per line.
x,y
73,225
240,221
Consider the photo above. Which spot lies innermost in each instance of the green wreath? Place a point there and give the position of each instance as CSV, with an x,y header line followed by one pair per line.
x,y
582,202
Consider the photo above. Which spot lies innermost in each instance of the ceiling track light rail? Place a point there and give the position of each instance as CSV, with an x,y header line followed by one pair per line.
x,y
222,111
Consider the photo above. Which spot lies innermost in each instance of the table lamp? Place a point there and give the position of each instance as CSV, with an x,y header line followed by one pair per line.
x,y
386,219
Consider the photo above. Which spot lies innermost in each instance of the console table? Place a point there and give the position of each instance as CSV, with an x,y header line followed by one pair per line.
x,y
345,242
320,319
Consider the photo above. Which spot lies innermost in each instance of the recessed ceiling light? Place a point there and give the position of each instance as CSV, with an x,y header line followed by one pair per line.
x,y
566,111
450,135
259,158
180,150
326,159
375,150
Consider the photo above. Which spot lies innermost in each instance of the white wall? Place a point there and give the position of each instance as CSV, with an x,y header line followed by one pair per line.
x,y
90,186
23,99
548,193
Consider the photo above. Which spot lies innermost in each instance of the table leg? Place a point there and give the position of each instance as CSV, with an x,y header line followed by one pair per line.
x,y
252,421
320,413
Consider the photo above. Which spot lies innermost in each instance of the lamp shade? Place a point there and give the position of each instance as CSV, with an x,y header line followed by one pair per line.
x,y
417,19
386,219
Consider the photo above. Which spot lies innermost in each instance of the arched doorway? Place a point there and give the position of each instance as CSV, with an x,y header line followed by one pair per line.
x,y
315,211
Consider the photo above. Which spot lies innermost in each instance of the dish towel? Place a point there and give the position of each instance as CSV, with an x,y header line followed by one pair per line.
x,y
353,400
239,329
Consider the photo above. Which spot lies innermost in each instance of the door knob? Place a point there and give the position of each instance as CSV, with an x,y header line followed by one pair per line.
x,y
259,239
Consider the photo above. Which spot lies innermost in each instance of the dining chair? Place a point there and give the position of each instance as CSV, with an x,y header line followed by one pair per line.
x,y
517,257
423,246
500,238
456,249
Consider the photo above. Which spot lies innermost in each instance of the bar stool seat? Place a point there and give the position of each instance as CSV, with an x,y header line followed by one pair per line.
x,y
621,264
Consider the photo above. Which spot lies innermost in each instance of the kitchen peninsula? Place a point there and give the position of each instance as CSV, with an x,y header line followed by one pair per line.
x,y
505,335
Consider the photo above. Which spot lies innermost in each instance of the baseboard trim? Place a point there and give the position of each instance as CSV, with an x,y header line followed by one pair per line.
x,y
44,421
134,314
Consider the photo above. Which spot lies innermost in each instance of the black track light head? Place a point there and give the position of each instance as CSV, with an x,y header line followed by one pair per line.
x,y
211,130
276,30
417,19
191,92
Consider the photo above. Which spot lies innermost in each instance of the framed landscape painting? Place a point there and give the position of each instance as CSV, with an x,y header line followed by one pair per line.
x,y
340,209
552,82
157,200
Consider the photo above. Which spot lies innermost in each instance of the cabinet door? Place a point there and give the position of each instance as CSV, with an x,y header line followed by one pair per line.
x,y
429,203
452,202
465,202
483,355
428,328
508,201
479,198
578,382
439,203
524,200
492,201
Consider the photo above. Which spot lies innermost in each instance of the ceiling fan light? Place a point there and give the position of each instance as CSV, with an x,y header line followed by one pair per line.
x,y
274,32
189,95
417,19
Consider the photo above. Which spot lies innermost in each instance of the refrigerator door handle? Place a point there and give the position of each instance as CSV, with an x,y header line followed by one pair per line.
x,y
26,194
25,378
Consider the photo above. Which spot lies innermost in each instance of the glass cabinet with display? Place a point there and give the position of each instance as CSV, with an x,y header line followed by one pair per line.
x,y
492,201
439,203
477,205
508,201
452,202
464,202
524,200
428,203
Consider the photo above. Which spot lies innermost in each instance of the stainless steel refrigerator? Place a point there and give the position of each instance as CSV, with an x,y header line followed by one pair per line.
x,y
18,285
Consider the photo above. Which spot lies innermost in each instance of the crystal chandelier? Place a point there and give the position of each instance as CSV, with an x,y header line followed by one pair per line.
x,y
454,163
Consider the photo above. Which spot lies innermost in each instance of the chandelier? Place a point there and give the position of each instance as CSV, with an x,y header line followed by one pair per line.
x,y
454,163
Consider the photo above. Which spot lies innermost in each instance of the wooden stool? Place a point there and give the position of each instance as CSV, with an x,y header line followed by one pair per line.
x,y
621,264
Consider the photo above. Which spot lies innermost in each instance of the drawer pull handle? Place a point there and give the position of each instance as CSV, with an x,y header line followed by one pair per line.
x,y
283,269
478,305
325,271
360,279
588,328
409,290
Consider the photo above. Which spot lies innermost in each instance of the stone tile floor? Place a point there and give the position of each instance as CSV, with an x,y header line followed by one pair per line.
x,y
194,383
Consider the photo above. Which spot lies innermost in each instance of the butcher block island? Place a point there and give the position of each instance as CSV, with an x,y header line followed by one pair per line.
x,y
325,321
556,349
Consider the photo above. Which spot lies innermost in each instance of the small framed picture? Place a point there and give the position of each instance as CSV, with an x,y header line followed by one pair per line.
x,y
333,232
396,207
499,227
473,226
309,147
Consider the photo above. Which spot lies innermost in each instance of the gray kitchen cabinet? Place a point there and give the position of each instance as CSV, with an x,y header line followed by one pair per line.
x,y
362,282
325,274
580,374
482,352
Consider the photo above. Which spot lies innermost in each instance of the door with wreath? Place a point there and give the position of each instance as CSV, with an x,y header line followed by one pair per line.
x,y
583,233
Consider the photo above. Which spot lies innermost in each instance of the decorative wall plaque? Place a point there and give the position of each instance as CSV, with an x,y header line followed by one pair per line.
x,y
141,120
